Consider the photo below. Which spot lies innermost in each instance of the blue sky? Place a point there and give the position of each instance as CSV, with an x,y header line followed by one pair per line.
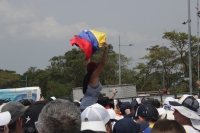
x,y
34,31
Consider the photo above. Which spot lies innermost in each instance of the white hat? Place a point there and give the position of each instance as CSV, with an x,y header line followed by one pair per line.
x,y
111,113
161,111
166,101
95,112
195,123
53,98
188,106
5,118
138,100
97,126
115,102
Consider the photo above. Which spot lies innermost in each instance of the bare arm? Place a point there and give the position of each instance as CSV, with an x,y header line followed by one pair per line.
x,y
97,71
114,93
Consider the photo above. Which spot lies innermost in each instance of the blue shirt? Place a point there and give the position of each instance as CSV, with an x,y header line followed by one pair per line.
x,y
91,96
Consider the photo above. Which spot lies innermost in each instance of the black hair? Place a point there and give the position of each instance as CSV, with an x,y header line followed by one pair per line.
x,y
86,80
12,126
77,104
157,103
154,102
26,102
119,103
104,101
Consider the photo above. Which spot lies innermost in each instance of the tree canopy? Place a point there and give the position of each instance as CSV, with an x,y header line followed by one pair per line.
x,y
165,67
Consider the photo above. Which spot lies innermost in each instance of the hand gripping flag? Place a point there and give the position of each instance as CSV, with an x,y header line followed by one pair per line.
x,y
89,41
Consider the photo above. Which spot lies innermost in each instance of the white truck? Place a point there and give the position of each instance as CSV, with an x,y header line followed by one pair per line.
x,y
124,91
16,94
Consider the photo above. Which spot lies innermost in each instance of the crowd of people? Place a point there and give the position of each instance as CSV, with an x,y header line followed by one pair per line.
x,y
98,113
63,115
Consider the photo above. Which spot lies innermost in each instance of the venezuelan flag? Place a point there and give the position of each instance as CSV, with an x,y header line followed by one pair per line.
x,y
89,41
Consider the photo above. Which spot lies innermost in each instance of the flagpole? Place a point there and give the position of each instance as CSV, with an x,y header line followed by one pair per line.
x,y
190,53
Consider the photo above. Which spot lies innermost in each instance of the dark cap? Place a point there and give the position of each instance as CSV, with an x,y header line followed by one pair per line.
x,y
92,66
16,110
31,115
147,110
127,125
124,106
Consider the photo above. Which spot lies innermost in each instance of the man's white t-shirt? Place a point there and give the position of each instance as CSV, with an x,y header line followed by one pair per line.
x,y
190,129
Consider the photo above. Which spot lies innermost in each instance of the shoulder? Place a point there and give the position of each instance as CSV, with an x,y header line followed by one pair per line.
x,y
147,130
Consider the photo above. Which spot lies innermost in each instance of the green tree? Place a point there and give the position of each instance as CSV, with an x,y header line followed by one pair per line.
x,y
8,79
179,41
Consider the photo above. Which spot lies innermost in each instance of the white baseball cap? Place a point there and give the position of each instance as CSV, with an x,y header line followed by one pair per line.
x,y
97,126
168,99
111,113
5,118
95,112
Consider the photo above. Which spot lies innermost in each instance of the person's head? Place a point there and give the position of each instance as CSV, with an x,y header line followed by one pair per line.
x,y
125,106
16,110
31,116
92,66
153,102
186,111
127,125
97,112
77,104
104,101
146,112
59,116
66,98
97,126
167,126
136,103
87,131
117,104
5,118
26,102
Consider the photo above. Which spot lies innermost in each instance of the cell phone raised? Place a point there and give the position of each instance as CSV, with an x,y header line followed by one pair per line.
x,y
2,128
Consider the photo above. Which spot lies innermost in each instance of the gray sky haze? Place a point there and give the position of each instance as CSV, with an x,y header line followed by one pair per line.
x,y
32,32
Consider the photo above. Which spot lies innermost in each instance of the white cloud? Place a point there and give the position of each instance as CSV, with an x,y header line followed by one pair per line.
x,y
11,14
140,38
109,32
23,23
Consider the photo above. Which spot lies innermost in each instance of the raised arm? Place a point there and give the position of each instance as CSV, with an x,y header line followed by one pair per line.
x,y
102,63
87,62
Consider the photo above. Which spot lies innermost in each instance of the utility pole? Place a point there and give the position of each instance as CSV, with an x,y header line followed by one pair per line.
x,y
189,43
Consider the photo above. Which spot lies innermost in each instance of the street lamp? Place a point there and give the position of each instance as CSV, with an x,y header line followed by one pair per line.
x,y
189,45
119,60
